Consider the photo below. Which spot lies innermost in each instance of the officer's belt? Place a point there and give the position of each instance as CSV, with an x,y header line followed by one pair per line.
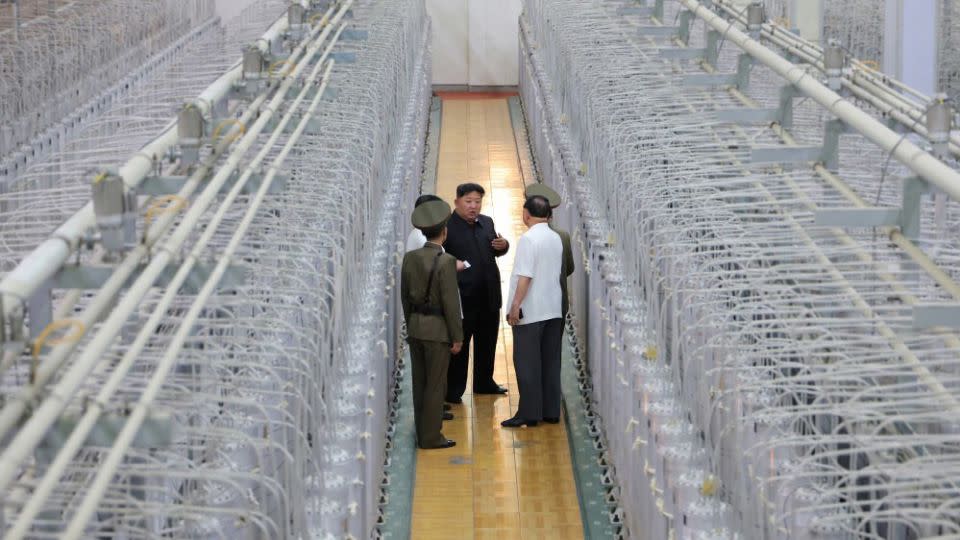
x,y
424,309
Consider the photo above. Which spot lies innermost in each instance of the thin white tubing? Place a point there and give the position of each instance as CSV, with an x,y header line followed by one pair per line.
x,y
46,413
44,261
88,421
109,465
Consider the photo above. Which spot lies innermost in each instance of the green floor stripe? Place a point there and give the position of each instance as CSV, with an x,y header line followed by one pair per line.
x,y
402,469
588,474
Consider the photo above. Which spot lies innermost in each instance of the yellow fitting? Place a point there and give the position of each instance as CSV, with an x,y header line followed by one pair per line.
x,y
43,339
229,122
272,70
315,16
871,64
163,205
651,352
709,487
100,177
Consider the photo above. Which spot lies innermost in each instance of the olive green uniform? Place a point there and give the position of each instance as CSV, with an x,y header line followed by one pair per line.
x,y
566,268
433,324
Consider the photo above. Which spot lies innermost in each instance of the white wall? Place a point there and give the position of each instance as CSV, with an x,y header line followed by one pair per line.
x,y
450,34
475,42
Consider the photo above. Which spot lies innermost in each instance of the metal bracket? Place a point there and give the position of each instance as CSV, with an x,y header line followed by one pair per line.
x,y
744,67
713,43
831,143
857,217
709,79
658,9
93,277
747,116
344,57
936,315
658,31
171,185
642,11
350,34
156,432
787,94
685,18
785,154
682,54
907,217
914,188
40,308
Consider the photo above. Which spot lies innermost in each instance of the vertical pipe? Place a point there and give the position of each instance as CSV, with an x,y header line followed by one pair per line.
x,y
16,20
807,16
910,43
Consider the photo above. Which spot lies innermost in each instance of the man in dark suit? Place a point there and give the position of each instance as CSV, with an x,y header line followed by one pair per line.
x,y
472,237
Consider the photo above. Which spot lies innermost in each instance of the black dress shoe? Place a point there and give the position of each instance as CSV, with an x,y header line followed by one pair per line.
x,y
447,416
447,407
455,401
551,420
495,390
518,422
445,444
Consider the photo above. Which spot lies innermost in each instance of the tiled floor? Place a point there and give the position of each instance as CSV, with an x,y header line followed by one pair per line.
x,y
496,483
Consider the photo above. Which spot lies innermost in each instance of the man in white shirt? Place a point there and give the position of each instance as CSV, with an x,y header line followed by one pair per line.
x,y
535,315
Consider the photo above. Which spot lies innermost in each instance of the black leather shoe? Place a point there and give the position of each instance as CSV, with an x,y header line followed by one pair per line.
x,y
518,422
447,416
455,401
551,420
496,390
447,407
447,443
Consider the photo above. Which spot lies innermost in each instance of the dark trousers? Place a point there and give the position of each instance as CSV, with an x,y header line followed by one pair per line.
x,y
536,361
482,328
428,367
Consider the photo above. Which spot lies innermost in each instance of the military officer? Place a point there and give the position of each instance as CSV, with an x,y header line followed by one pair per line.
x,y
431,308
568,265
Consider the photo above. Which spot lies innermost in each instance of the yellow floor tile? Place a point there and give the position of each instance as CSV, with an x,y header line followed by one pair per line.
x,y
496,483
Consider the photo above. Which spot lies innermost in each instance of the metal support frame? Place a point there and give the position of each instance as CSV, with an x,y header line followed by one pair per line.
x,y
785,154
831,143
156,432
744,67
787,95
709,79
92,277
907,217
658,31
746,115
169,185
682,54
927,316
685,19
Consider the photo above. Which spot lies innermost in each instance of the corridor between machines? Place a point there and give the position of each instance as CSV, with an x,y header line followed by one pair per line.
x,y
497,482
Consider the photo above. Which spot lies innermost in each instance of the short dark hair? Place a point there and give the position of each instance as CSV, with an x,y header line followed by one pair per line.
x,y
426,198
538,206
470,187
433,232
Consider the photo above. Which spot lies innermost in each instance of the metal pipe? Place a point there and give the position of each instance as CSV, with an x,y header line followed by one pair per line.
x,y
920,162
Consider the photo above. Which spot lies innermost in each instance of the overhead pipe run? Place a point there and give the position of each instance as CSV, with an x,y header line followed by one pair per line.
x,y
915,158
